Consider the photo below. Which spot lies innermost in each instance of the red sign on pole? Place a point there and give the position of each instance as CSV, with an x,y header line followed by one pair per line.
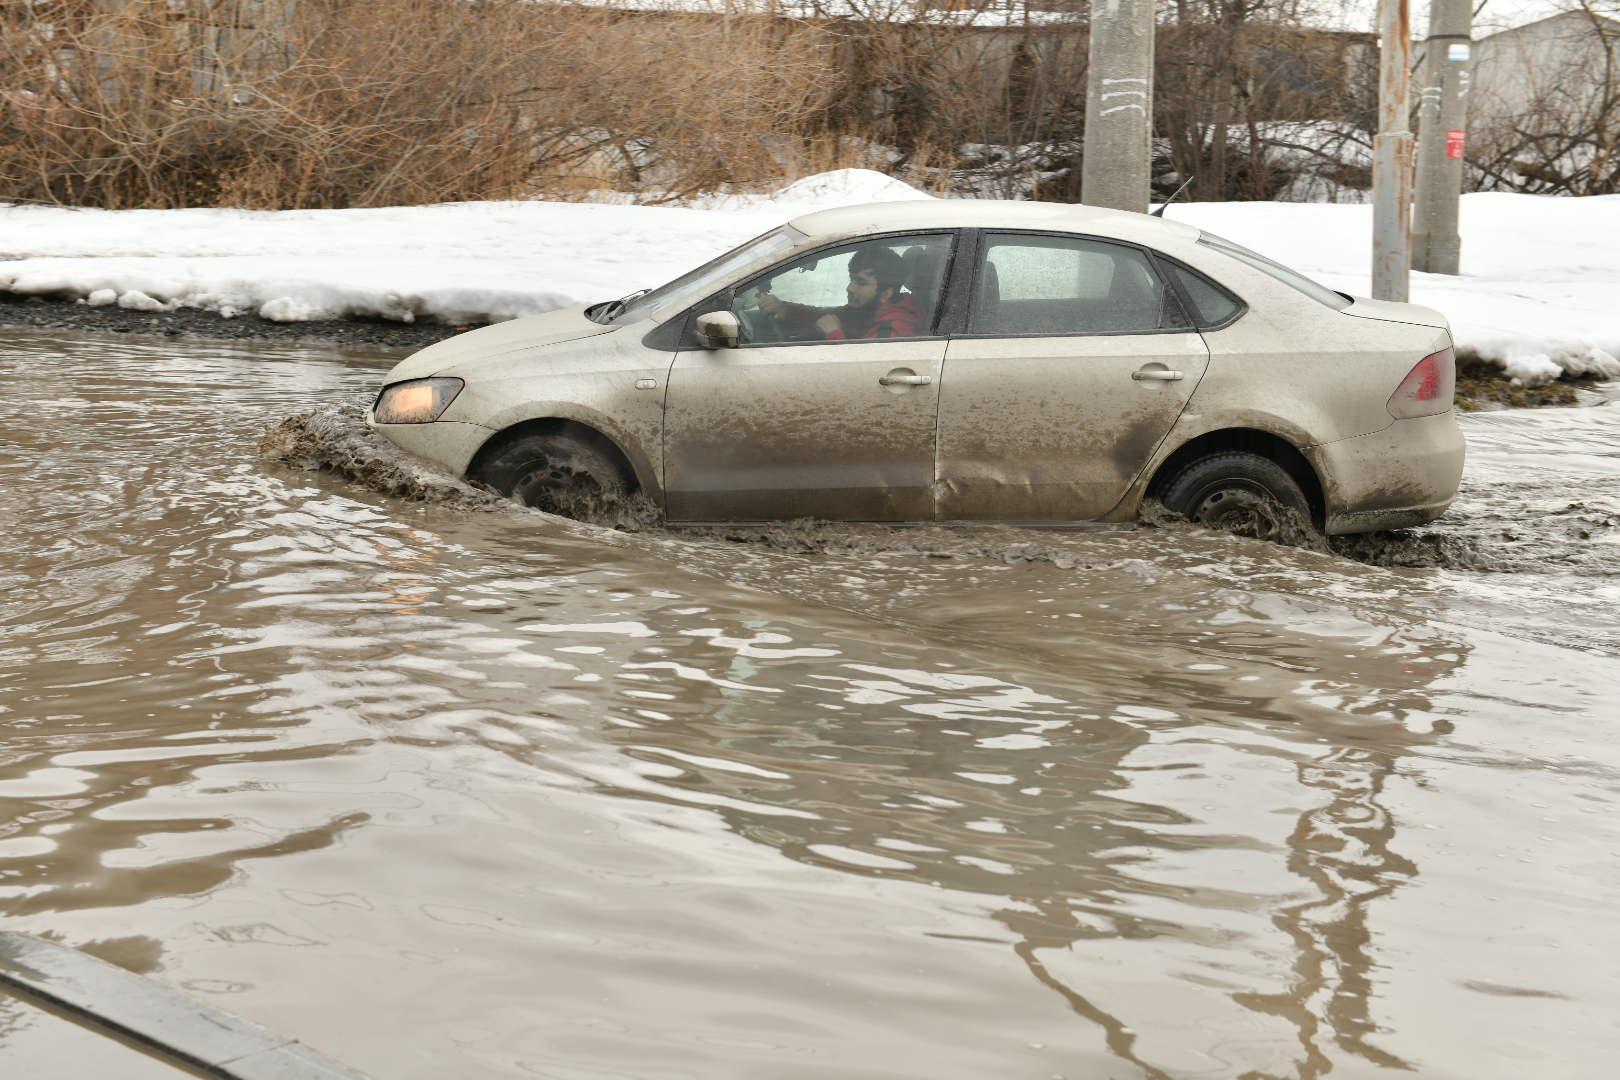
x,y
1454,143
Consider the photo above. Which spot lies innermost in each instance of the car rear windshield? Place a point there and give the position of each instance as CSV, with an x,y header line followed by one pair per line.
x,y
1292,278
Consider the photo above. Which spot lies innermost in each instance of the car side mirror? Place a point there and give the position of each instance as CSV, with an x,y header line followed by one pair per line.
x,y
718,330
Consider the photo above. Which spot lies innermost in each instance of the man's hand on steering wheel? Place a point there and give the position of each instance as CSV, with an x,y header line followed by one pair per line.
x,y
768,302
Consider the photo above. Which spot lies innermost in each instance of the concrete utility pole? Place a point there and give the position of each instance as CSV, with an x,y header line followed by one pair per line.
x,y
1442,135
1116,168
1392,156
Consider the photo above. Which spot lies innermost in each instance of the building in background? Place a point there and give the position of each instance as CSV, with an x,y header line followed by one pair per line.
x,y
1544,108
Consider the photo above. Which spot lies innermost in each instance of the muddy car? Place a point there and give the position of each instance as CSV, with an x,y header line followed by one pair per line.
x,y
957,361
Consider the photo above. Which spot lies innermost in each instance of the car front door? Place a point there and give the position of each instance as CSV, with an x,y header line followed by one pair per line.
x,y
1075,363
827,405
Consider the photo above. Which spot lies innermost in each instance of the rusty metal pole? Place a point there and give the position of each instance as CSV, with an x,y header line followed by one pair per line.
x,y
1116,168
1392,156
1442,136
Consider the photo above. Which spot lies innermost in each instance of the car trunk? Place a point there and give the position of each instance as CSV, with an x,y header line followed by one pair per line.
x,y
1363,307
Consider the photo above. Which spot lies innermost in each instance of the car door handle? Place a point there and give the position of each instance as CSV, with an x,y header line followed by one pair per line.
x,y
905,380
1157,375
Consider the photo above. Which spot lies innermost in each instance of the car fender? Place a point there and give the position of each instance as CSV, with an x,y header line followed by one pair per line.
x,y
633,444
1194,424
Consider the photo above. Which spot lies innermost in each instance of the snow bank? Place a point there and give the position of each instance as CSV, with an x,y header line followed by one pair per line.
x,y
1540,282
1538,296
466,262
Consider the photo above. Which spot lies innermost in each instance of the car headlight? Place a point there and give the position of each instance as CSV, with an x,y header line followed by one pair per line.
x,y
419,401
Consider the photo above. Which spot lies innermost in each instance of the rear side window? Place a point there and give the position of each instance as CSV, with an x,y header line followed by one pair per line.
x,y
1292,278
1067,285
1212,305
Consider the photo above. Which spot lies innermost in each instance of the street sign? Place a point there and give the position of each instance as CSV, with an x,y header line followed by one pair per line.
x,y
1455,140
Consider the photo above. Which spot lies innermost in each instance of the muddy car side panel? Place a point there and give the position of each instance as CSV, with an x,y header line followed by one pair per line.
x,y
1194,424
792,431
1056,428
1310,375
612,383
1329,372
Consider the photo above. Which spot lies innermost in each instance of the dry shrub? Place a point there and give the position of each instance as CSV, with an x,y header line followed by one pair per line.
x,y
339,103
274,103
669,105
380,102
335,103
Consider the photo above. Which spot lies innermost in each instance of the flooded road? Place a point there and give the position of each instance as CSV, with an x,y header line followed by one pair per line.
x,y
443,788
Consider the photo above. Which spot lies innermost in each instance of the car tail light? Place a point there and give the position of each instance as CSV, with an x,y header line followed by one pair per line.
x,y
1428,388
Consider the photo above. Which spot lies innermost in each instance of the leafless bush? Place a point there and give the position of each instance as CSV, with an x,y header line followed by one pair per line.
x,y
1237,80
994,92
334,103
277,103
330,103
668,105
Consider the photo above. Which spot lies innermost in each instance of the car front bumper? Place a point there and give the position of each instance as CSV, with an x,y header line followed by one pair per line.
x,y
447,443
1403,475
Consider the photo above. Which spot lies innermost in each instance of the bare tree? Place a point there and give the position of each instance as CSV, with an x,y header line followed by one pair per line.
x,y
1237,79
1546,112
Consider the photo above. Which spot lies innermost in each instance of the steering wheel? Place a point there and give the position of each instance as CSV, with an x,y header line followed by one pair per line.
x,y
757,326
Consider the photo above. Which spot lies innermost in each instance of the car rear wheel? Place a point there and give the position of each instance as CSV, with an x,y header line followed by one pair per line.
x,y
560,474
1241,493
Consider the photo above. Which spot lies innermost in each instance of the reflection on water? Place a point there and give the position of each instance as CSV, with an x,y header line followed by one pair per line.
x,y
446,792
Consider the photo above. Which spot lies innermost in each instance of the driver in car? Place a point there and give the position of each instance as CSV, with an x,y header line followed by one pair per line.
x,y
876,309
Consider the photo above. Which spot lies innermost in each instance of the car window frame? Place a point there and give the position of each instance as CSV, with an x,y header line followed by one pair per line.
x,y
981,246
1186,301
1297,280
685,338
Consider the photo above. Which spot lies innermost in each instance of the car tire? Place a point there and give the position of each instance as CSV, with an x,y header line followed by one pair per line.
x,y
560,474
1241,493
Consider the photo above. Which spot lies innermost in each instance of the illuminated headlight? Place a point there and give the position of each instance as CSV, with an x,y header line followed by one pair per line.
x,y
420,401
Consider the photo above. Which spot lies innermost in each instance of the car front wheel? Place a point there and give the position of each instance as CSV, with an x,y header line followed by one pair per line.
x,y
1241,493
556,473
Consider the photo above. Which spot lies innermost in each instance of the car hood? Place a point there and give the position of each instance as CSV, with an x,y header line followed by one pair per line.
x,y
552,328
1390,311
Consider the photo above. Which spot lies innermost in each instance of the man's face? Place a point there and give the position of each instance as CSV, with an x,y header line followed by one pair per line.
x,y
863,289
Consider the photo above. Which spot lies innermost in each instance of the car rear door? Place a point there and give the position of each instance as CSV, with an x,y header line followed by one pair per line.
x,y
1075,362
807,427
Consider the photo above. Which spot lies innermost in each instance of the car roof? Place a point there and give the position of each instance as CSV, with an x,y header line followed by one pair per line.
x,y
993,214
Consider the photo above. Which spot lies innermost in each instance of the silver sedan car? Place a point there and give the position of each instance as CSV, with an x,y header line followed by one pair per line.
x,y
957,361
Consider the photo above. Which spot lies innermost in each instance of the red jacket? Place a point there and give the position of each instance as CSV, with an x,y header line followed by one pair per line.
x,y
900,318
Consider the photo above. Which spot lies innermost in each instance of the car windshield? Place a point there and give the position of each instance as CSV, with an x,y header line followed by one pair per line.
x,y
693,285
1292,278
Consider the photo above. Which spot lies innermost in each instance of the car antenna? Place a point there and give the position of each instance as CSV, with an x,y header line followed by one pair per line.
x,y
1160,211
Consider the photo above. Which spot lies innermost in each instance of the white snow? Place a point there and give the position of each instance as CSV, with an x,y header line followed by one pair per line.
x,y
1540,282
466,262
135,300
1538,292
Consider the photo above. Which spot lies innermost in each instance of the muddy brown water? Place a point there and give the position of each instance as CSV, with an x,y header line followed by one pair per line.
x,y
444,787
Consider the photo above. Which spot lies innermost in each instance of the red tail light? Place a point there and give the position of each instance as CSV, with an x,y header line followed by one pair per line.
x,y
1428,388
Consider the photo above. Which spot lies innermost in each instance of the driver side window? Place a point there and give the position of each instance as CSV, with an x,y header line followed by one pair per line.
x,y
875,289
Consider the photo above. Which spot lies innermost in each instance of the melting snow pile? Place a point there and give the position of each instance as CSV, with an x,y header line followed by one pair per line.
x,y
1538,294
